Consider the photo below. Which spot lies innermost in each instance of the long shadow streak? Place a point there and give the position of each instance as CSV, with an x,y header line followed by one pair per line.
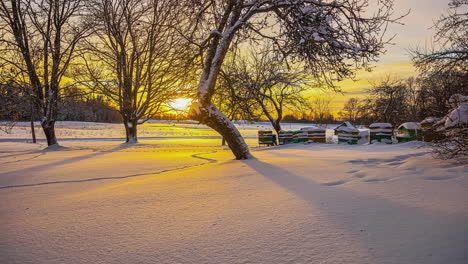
x,y
352,212
66,161
119,177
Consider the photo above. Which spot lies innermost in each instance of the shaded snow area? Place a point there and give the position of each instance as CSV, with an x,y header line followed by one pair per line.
x,y
184,199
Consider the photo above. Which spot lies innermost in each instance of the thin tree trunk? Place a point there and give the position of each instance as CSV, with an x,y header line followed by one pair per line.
x,y
33,131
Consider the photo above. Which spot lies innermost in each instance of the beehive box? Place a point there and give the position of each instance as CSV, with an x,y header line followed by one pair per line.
x,y
381,132
285,137
300,136
315,134
266,137
409,131
348,135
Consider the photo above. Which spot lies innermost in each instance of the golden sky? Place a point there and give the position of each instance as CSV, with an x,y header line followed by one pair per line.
x,y
416,32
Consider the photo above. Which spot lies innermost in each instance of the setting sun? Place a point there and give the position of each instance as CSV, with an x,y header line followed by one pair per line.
x,y
181,103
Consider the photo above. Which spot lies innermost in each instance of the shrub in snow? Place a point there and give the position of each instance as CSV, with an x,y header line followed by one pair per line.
x,y
429,134
455,128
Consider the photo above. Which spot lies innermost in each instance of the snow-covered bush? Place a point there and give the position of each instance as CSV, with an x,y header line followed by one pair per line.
x,y
455,127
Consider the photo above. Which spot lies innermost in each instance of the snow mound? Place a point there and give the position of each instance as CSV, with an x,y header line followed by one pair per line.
x,y
458,117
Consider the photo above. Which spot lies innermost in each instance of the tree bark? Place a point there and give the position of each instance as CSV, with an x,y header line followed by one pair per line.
x,y
210,115
131,131
33,132
50,109
277,127
206,112
49,130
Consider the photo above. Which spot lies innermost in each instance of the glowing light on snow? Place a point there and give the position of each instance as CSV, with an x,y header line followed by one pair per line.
x,y
181,103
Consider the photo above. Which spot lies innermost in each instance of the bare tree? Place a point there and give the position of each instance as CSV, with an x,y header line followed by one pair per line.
x,y
235,103
333,38
17,97
320,108
455,128
259,77
389,100
11,109
436,88
44,34
134,57
351,110
451,39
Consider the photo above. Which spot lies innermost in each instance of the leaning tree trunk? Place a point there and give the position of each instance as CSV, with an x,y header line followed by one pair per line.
x,y
206,112
211,116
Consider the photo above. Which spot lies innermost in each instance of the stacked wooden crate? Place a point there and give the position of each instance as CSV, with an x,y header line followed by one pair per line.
x,y
381,132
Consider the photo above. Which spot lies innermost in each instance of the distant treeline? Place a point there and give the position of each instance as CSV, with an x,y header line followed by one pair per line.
x,y
402,100
75,105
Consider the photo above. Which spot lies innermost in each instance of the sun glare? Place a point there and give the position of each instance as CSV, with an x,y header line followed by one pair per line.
x,y
181,103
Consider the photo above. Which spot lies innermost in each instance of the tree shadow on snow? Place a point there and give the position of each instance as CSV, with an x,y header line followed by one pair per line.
x,y
389,230
17,173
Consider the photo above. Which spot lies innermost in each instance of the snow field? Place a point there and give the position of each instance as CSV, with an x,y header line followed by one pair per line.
x,y
184,200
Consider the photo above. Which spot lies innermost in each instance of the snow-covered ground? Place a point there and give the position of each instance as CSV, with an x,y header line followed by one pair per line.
x,y
179,197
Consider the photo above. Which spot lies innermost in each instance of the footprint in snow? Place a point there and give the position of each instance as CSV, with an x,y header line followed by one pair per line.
x,y
334,183
375,180
360,175
396,163
438,178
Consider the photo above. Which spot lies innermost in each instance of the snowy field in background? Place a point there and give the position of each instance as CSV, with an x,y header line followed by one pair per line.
x,y
153,130
179,197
